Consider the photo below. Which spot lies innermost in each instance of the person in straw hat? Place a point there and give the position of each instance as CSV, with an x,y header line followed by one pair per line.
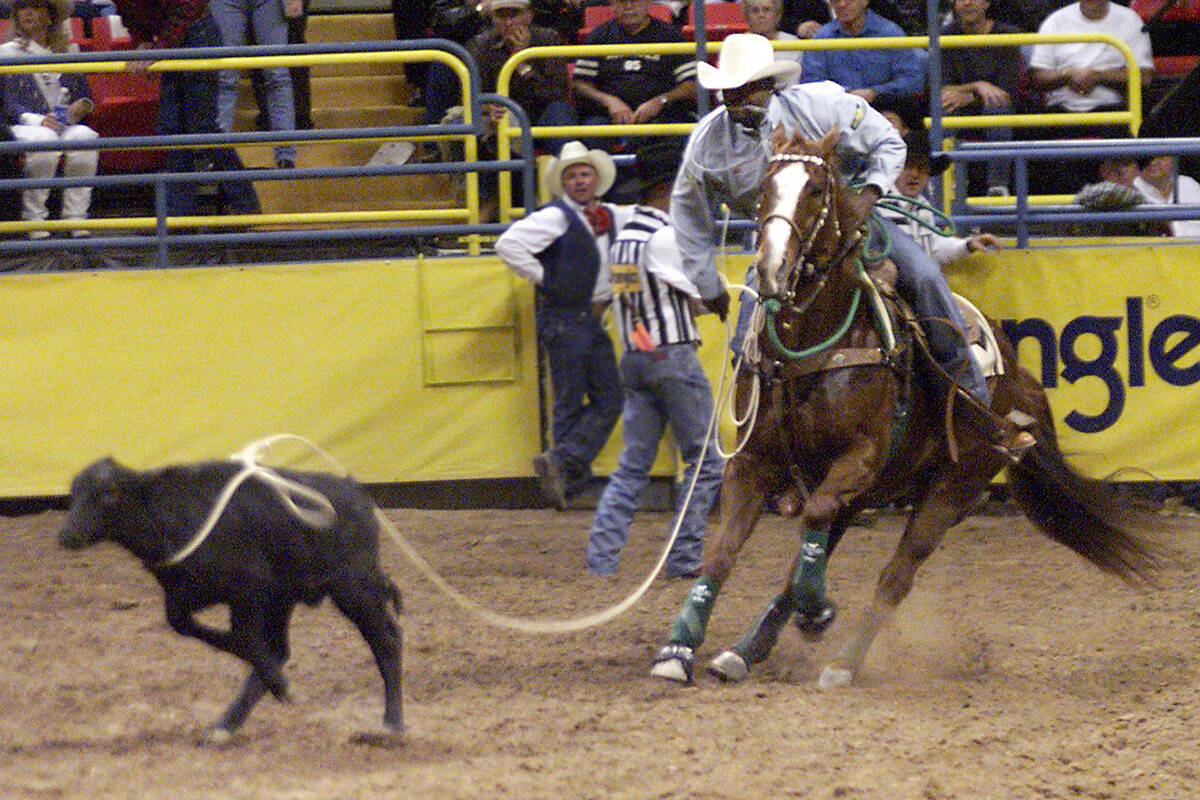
x,y
48,107
727,155
664,382
562,249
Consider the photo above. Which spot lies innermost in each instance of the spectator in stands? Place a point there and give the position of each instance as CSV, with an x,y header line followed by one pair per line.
x,y
539,86
1086,76
459,21
884,78
297,28
764,17
804,17
634,89
981,80
187,101
562,249
48,107
267,20
1161,184
1024,15
410,20
564,16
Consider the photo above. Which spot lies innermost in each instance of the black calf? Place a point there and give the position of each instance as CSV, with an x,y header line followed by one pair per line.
x,y
259,559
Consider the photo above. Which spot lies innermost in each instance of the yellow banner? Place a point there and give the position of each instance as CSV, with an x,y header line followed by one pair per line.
x,y
423,370
1114,335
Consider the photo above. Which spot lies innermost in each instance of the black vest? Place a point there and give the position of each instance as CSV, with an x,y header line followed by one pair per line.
x,y
570,264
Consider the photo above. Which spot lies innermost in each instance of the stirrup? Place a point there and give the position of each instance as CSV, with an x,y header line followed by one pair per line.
x,y
1017,445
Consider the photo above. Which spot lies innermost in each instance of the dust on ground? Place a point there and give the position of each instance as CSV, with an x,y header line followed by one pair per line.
x,y
1014,670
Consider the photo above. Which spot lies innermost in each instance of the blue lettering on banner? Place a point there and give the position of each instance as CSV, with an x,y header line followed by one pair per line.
x,y
1170,343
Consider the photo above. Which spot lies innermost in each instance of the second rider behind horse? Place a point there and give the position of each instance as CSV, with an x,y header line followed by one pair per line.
x,y
726,158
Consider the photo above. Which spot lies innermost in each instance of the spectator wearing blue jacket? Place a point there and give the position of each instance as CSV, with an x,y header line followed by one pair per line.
x,y
887,79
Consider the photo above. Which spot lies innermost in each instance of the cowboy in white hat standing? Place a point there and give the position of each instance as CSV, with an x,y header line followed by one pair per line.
x,y
562,249
727,155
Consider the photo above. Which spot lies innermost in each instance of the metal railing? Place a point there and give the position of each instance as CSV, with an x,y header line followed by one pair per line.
x,y
167,231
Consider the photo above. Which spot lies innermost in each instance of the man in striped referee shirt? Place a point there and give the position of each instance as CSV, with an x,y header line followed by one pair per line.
x,y
662,377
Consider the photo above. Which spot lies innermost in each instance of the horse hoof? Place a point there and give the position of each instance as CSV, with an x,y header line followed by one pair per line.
x,y
729,667
813,624
835,677
674,662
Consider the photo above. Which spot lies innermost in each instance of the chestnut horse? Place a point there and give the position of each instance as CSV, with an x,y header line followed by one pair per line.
x,y
850,416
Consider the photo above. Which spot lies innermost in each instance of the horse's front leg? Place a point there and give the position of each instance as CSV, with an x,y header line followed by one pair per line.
x,y
732,665
742,498
803,595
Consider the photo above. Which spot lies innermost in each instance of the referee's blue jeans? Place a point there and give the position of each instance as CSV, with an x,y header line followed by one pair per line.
x,y
666,385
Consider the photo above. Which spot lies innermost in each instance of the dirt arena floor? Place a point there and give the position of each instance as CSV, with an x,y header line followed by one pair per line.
x,y
1014,671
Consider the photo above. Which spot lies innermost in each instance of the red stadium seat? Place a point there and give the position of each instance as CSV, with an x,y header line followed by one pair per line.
x,y
1174,66
126,105
79,35
109,33
720,20
1182,11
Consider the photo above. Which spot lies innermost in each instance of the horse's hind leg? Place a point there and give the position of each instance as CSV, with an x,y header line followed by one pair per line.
x,y
754,647
943,505
742,498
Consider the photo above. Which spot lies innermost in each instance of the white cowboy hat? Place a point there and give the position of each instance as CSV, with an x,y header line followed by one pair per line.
x,y
577,153
59,9
745,57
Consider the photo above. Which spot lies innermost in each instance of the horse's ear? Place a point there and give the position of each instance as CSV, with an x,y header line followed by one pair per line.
x,y
779,138
829,141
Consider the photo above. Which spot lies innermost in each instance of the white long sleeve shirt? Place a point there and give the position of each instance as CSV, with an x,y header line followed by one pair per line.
x,y
519,246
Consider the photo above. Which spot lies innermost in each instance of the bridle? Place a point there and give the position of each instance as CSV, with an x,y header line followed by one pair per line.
x,y
792,273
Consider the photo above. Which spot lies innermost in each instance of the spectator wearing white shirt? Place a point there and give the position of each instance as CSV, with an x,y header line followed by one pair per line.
x,y
1085,76
1161,184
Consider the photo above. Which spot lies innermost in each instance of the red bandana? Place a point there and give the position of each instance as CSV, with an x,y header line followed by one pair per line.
x,y
599,219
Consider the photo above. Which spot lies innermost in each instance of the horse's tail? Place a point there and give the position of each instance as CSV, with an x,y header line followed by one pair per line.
x,y
1084,514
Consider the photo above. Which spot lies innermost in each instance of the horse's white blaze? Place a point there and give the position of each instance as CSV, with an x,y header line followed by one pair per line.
x,y
789,183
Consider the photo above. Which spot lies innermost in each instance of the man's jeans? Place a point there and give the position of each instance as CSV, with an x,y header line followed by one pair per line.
x,y
666,385
187,103
587,386
269,26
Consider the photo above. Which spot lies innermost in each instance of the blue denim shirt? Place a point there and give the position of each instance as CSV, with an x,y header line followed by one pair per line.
x,y
894,74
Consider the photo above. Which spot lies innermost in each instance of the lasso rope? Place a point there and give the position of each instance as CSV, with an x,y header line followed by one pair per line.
x,y
287,490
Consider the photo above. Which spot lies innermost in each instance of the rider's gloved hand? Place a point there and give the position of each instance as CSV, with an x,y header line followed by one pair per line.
x,y
719,305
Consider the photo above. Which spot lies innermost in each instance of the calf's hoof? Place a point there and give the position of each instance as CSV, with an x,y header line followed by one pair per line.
x,y
218,737
729,667
835,677
675,663
386,736
815,622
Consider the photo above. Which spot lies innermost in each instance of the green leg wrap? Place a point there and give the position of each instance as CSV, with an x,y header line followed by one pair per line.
x,y
756,645
692,620
808,583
